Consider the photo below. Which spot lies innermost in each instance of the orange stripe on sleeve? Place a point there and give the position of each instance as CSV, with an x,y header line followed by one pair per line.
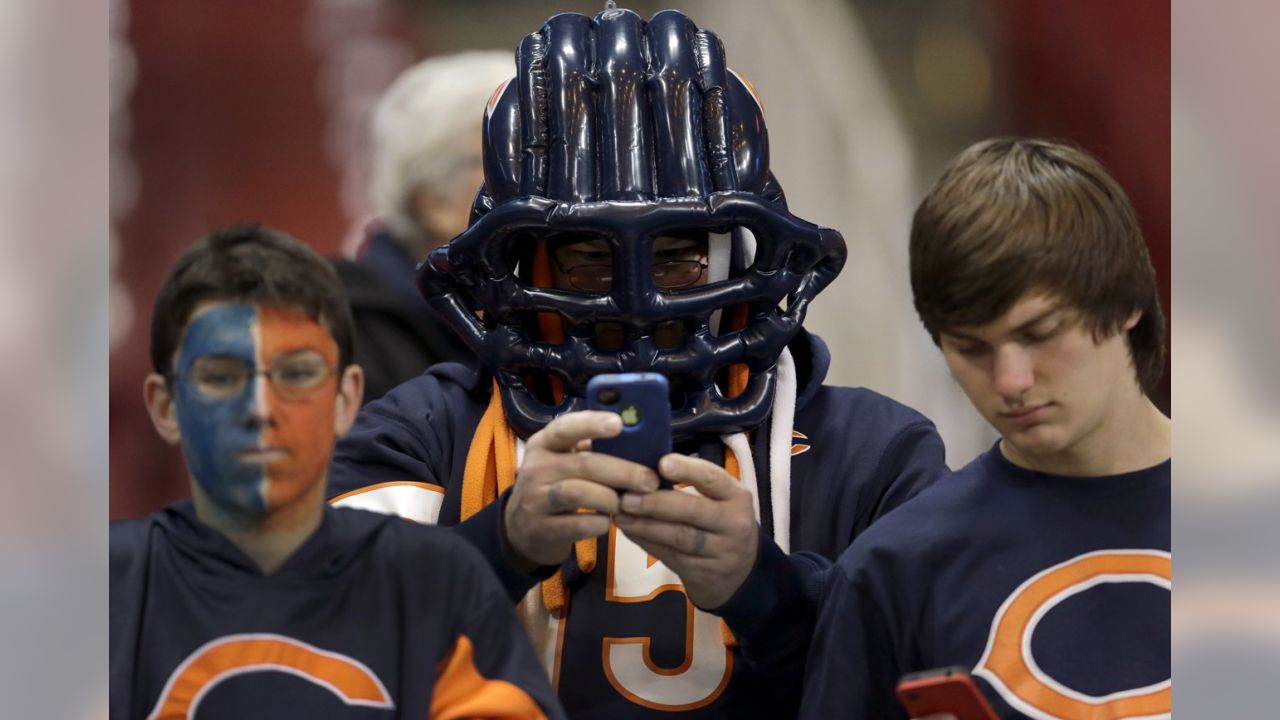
x,y
462,692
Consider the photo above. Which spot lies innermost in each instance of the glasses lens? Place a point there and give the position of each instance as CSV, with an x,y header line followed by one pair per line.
x,y
219,377
299,373
677,274
591,278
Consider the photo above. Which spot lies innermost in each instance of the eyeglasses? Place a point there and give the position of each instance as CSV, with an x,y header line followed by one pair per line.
x,y
292,376
667,274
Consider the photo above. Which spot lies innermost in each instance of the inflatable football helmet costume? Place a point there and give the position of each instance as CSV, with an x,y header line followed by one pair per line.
x,y
623,130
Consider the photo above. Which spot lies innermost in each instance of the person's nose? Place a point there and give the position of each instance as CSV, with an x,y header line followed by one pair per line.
x,y
1014,373
259,413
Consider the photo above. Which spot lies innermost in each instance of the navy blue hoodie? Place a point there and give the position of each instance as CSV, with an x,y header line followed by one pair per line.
x,y
1054,590
371,618
631,643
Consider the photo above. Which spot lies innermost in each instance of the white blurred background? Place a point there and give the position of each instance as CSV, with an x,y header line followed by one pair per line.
x,y
53,356
1226,255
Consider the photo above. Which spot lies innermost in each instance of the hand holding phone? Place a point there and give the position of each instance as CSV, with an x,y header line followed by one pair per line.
x,y
948,690
642,401
707,534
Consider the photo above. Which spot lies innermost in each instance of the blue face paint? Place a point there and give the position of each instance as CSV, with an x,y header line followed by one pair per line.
x,y
214,431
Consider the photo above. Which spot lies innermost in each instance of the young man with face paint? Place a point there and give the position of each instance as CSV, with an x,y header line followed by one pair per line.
x,y
1043,566
254,596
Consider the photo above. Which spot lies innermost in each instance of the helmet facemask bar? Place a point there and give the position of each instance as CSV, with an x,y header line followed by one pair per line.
x,y
481,271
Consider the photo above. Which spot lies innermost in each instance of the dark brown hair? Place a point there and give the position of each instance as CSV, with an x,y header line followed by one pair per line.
x,y
1010,216
249,263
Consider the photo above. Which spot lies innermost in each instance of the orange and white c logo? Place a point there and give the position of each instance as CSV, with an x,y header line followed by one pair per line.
x,y
1009,666
798,447
232,655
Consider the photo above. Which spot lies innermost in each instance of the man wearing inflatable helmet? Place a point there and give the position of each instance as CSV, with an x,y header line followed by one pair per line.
x,y
629,222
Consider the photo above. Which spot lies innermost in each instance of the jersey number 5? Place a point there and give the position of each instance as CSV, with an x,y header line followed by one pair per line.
x,y
634,577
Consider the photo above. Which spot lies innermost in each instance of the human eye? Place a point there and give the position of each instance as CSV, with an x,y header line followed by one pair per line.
x,y
670,249
675,248
1041,333
220,374
573,256
296,374
594,257
299,371
965,347
219,378
674,255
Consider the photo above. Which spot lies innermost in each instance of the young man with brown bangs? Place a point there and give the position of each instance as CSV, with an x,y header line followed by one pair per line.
x,y
1042,567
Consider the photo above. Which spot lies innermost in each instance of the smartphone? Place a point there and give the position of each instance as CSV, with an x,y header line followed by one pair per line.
x,y
642,401
948,690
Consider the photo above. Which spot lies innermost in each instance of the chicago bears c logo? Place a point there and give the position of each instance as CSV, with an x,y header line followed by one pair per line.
x,y
232,655
1009,666
798,447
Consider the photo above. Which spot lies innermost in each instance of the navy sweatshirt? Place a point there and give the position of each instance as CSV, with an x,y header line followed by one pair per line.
x,y
371,618
1054,590
631,644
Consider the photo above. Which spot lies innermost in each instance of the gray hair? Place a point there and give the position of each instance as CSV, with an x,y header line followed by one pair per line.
x,y
417,126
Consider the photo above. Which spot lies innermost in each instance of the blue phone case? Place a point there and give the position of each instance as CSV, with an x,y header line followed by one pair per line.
x,y
641,399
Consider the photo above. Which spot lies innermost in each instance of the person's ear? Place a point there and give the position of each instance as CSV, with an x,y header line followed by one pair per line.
x,y
161,408
1132,322
350,393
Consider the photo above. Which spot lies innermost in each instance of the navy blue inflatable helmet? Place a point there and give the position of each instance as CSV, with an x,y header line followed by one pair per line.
x,y
624,130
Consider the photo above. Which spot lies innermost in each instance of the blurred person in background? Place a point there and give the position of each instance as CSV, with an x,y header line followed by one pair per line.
x,y
254,597
426,168
1044,564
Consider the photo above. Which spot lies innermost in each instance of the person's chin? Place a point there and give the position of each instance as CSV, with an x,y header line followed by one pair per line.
x,y
1040,440
242,503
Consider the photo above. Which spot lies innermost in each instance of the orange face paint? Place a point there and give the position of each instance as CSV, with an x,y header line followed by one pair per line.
x,y
303,426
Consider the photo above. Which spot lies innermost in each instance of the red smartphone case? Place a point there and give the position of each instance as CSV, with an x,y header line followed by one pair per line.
x,y
948,690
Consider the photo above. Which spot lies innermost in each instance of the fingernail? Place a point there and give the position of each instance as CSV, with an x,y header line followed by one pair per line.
x,y
666,466
630,502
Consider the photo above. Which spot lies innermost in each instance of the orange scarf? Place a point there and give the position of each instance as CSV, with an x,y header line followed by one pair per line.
x,y
490,470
